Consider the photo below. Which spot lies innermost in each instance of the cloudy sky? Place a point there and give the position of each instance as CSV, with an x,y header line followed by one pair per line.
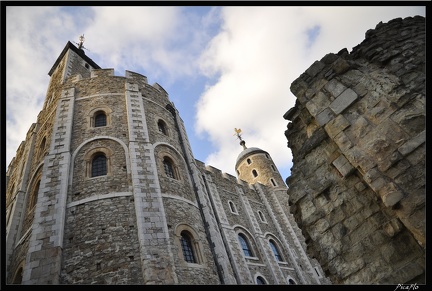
x,y
224,67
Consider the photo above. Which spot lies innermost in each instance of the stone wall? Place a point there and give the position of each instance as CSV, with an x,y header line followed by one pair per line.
x,y
357,135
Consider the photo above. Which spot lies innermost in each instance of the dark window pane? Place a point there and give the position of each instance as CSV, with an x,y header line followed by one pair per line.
x,y
99,166
260,281
100,119
246,250
275,251
161,127
187,248
168,167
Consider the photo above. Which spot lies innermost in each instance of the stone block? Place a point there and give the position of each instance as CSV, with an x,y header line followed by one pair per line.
x,y
343,166
343,101
316,67
343,142
359,128
413,143
298,88
393,227
384,163
352,78
313,108
335,88
335,126
340,66
325,116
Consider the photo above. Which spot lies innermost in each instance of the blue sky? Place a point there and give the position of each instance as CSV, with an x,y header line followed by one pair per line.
x,y
224,67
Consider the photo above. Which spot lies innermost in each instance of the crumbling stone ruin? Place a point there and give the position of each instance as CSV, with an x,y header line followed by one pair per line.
x,y
357,135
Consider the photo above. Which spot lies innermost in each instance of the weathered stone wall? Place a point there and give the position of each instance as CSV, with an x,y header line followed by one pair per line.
x,y
357,135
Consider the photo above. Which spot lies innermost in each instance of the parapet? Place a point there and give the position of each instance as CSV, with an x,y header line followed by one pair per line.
x,y
102,73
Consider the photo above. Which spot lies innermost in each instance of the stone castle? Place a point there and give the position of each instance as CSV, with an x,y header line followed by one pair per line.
x,y
105,188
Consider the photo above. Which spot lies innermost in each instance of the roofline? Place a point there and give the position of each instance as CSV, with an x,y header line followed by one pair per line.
x,y
80,52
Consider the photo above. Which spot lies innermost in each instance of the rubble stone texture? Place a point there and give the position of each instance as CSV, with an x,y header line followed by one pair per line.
x,y
357,136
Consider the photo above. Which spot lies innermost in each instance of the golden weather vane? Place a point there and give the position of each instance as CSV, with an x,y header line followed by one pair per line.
x,y
237,132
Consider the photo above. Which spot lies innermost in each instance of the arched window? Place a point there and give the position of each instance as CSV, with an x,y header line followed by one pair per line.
x,y
99,116
18,276
42,147
245,245
254,173
33,198
169,167
249,161
260,281
100,119
99,165
275,251
162,126
291,282
186,244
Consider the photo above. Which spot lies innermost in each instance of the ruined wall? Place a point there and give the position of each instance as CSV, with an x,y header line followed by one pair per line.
x,y
357,135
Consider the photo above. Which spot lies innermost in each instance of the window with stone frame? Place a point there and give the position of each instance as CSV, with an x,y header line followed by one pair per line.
x,y
99,165
260,281
98,162
254,173
162,127
100,119
232,207
169,167
275,249
99,116
245,245
34,195
187,248
42,148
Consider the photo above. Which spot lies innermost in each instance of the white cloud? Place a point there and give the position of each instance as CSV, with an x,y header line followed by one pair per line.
x,y
251,55
257,55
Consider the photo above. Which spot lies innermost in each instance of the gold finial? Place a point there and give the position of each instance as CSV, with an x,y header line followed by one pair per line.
x,y
237,132
242,142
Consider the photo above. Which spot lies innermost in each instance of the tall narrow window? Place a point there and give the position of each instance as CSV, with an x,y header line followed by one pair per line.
x,y
99,165
162,126
245,245
42,147
291,282
249,161
34,195
18,276
261,216
186,243
260,281
100,119
275,251
273,182
254,173
232,207
168,167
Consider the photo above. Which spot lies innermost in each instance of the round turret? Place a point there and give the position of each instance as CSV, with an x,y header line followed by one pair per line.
x,y
255,165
